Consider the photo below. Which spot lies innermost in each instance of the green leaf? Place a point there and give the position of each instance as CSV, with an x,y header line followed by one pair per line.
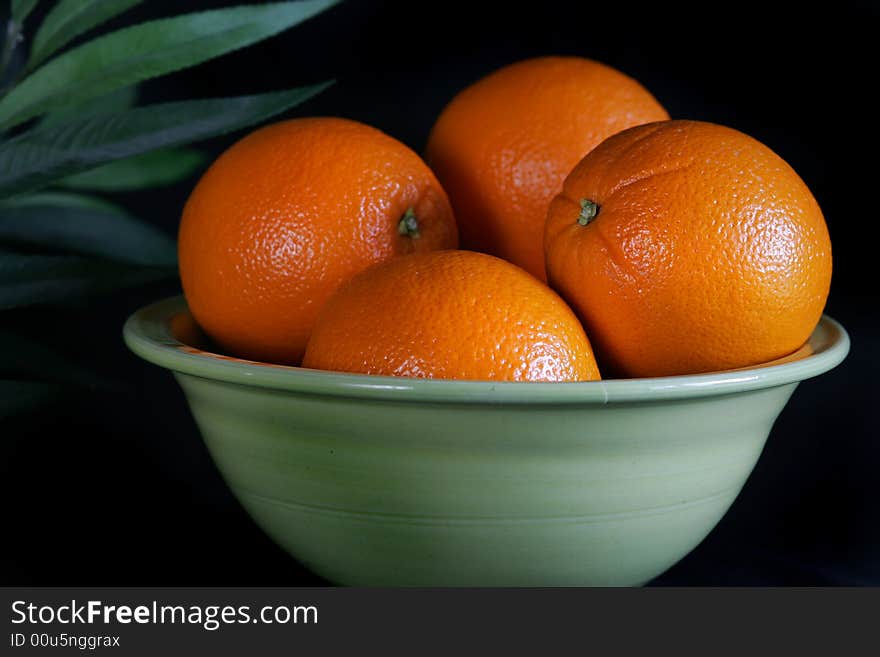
x,y
146,51
33,279
21,9
111,234
62,199
22,396
23,358
151,169
70,18
112,103
42,155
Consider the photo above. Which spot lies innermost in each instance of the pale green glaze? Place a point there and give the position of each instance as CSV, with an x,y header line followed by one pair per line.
x,y
389,481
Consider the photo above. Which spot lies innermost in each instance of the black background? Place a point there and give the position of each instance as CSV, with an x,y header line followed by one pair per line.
x,y
114,487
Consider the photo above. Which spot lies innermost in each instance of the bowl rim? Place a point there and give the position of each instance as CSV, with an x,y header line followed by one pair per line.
x,y
148,333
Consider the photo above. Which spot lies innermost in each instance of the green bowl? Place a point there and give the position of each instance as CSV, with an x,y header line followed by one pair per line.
x,y
387,481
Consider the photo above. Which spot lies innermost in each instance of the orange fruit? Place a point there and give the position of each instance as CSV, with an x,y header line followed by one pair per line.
x,y
290,212
450,315
688,247
504,145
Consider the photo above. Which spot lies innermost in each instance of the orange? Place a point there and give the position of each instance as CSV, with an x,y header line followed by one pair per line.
x,y
451,315
688,247
290,212
504,145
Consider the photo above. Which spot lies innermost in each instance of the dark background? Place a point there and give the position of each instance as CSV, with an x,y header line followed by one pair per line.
x,y
114,487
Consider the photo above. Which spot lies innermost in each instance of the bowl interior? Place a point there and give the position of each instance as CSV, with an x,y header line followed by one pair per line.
x,y
166,334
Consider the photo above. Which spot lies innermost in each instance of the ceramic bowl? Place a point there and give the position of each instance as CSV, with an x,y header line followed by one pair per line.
x,y
391,481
